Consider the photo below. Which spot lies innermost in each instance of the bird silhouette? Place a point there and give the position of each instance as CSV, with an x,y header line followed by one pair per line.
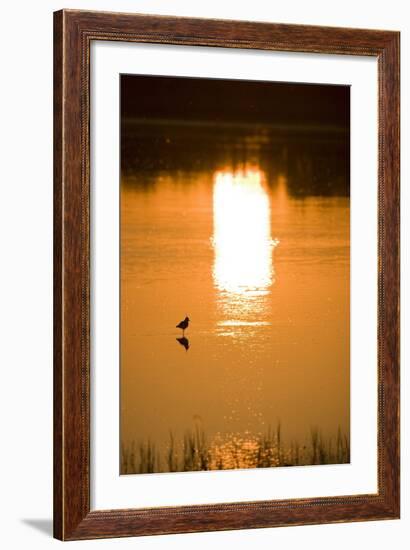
x,y
184,342
183,325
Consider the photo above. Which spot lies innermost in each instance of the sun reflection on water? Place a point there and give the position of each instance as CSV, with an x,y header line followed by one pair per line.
x,y
243,264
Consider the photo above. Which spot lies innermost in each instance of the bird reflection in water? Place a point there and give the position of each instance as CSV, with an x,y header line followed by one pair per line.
x,y
184,342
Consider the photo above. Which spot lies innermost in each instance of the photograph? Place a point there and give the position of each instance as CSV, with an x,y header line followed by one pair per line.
x,y
226,274
234,274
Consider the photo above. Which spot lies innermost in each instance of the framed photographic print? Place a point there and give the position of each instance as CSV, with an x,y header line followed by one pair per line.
x,y
226,288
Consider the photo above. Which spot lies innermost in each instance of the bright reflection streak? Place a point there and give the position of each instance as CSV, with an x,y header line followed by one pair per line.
x,y
242,234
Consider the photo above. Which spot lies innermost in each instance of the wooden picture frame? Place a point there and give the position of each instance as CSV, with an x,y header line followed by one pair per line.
x,y
73,33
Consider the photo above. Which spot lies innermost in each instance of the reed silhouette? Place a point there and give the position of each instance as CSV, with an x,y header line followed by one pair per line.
x,y
195,452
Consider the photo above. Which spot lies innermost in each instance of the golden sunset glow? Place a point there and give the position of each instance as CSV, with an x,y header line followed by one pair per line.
x,y
242,234
234,274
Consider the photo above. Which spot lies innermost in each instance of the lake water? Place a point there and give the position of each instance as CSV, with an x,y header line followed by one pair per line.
x,y
255,249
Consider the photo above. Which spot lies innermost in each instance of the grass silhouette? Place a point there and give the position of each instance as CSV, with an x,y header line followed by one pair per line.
x,y
196,453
